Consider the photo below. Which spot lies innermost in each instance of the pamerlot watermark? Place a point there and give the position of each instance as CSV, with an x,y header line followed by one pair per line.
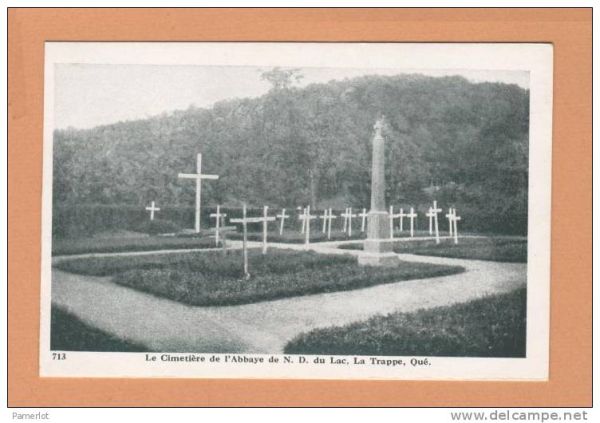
x,y
502,415
39,415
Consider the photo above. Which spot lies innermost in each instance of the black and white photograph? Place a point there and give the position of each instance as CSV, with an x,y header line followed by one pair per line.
x,y
301,210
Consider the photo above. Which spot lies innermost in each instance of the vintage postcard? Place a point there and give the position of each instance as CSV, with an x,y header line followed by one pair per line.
x,y
296,210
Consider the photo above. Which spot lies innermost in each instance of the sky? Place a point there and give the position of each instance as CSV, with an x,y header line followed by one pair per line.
x,y
89,95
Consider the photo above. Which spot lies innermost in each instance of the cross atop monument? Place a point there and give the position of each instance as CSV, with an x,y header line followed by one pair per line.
x,y
198,176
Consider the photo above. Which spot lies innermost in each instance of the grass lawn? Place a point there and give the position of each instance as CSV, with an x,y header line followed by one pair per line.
x,y
115,245
513,250
295,237
68,333
493,326
211,278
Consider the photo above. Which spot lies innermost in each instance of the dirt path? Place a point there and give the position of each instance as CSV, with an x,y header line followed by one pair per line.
x,y
266,327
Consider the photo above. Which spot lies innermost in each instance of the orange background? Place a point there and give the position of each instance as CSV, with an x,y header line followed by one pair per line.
x,y
570,30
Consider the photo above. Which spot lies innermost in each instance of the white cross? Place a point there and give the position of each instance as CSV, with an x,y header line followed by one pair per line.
x,y
219,221
152,209
393,216
347,215
324,217
244,222
450,222
198,176
434,212
430,215
282,216
345,223
401,215
307,217
264,220
455,219
330,217
303,219
412,216
363,216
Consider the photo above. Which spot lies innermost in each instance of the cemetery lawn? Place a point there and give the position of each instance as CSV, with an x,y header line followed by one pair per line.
x,y
509,250
492,326
68,333
295,237
118,245
214,279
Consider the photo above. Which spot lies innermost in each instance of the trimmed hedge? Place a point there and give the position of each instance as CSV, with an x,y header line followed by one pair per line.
x,y
214,279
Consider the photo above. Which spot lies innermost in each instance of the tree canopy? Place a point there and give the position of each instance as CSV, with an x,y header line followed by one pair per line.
x,y
447,138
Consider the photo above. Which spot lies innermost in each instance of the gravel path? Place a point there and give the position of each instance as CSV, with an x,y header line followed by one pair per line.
x,y
266,327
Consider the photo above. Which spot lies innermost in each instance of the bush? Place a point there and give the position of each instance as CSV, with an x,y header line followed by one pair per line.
x,y
158,226
206,279
493,326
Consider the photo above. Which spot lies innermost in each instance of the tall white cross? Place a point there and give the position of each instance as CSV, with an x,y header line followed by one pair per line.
x,y
307,218
282,216
152,209
412,216
455,220
435,211
347,215
330,217
219,221
198,176
324,217
363,223
450,222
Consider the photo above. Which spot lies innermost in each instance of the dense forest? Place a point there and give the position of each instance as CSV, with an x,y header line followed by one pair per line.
x,y
459,142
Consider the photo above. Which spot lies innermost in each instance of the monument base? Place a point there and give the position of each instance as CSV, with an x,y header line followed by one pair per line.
x,y
378,252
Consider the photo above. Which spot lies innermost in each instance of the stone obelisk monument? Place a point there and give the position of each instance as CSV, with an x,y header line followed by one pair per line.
x,y
378,249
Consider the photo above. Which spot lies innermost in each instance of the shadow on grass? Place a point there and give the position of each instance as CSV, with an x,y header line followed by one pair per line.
x,y
68,333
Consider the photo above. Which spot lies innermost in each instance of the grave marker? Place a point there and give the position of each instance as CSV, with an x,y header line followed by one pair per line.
x,y
401,215
303,219
455,220
363,223
330,217
412,216
307,218
152,208
348,220
435,212
429,214
244,223
198,176
219,222
450,222
282,216
324,217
